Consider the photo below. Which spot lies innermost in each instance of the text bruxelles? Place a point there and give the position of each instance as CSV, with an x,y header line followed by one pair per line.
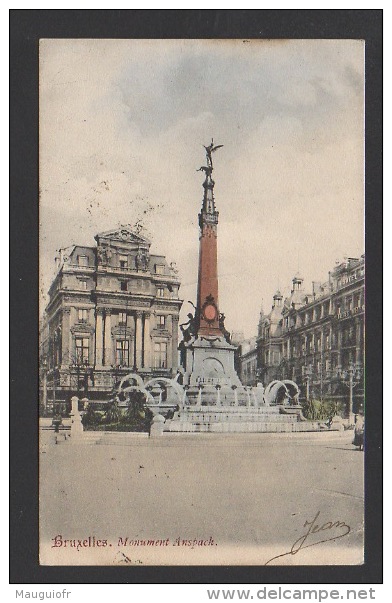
x,y
91,542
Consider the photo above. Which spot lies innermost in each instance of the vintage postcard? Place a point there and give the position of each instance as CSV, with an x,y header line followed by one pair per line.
x,y
202,274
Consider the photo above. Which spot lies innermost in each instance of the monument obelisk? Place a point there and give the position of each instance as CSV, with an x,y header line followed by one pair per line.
x,y
207,354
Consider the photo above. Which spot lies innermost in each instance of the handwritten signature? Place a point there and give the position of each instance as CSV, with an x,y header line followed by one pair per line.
x,y
314,528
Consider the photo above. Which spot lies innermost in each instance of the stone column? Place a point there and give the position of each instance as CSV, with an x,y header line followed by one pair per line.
x,y
108,338
138,328
99,338
147,341
66,329
174,343
71,342
198,404
76,422
169,355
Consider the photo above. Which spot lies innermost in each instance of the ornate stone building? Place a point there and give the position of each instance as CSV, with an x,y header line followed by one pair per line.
x,y
112,308
317,338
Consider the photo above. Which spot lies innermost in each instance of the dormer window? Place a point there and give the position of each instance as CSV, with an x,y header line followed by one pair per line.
x,y
83,260
159,269
160,292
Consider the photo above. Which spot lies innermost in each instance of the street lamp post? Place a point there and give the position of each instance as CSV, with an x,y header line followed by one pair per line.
x,y
351,378
79,366
308,378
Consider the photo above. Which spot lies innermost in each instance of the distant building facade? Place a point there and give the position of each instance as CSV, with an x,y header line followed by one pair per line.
x,y
248,365
317,338
113,308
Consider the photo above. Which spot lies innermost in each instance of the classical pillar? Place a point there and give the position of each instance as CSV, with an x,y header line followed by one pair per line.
x,y
99,338
71,343
108,338
147,341
169,343
139,340
65,340
174,335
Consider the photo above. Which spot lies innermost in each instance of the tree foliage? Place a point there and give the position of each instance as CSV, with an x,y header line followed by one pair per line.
x,y
316,410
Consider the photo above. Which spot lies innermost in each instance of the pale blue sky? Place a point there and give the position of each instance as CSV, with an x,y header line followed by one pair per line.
x,y
122,125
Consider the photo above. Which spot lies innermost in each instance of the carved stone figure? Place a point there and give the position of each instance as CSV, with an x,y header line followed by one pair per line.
x,y
141,259
222,327
103,254
189,332
173,268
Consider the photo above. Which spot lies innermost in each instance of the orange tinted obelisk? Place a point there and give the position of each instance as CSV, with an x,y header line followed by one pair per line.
x,y
207,289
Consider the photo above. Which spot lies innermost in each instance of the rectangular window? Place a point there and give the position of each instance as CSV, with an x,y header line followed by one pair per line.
x,y
82,349
159,269
161,322
123,286
160,355
82,315
123,259
160,292
122,318
83,285
122,352
82,260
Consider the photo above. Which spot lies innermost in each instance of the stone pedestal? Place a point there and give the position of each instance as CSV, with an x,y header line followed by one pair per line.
x,y
76,421
157,425
210,361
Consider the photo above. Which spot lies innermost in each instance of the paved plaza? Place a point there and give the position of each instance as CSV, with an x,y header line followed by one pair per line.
x,y
202,499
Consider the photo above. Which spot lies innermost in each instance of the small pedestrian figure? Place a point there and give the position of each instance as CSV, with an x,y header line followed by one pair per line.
x,y
359,432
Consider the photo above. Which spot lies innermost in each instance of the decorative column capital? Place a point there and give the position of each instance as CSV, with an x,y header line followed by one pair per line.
x,y
147,315
99,311
138,313
108,311
67,310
